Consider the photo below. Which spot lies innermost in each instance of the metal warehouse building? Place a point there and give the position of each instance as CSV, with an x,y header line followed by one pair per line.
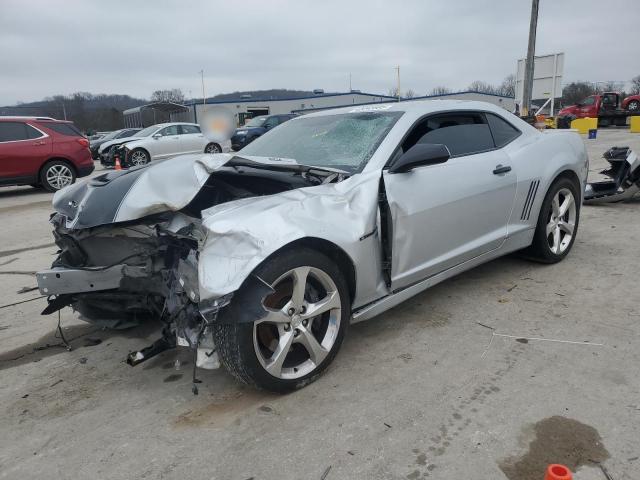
x,y
247,107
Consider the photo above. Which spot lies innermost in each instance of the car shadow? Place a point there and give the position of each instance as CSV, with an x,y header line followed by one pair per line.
x,y
77,336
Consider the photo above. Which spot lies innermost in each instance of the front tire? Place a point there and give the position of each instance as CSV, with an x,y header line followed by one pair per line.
x,y
306,318
138,157
557,222
634,106
56,175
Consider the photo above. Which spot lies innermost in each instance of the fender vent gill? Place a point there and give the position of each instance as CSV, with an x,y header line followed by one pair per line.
x,y
528,203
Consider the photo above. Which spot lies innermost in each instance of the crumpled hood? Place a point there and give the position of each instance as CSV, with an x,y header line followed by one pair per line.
x,y
132,194
118,141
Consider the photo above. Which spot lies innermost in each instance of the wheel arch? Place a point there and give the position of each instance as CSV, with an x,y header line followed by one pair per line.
x,y
564,173
213,143
336,254
141,148
57,159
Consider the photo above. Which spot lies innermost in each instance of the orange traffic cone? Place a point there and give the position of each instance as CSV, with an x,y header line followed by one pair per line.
x,y
558,472
118,166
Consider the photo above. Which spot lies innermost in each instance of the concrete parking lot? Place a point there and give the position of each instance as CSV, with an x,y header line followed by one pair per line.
x,y
458,382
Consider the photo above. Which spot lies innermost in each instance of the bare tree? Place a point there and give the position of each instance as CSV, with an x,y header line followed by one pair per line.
x,y
440,90
409,94
482,87
576,91
508,86
393,92
635,85
610,86
174,95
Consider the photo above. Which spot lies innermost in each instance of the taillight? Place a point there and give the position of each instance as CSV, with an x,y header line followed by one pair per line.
x,y
83,141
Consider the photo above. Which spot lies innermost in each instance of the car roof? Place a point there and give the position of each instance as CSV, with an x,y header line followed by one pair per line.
x,y
26,118
415,107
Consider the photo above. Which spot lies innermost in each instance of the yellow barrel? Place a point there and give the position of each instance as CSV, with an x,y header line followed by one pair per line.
x,y
635,124
583,125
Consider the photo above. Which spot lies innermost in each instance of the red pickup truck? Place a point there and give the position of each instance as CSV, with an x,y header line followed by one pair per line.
x,y
606,107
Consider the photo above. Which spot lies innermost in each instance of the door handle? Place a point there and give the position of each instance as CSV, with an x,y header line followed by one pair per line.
x,y
500,169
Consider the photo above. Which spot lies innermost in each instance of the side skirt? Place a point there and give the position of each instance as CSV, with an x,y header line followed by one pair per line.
x,y
516,242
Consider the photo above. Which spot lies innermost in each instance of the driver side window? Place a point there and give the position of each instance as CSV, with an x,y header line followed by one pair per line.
x,y
588,101
463,133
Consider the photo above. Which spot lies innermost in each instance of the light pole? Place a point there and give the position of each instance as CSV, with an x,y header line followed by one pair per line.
x,y
204,99
527,87
398,70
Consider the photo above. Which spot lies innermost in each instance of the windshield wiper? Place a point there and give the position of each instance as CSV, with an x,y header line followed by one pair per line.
x,y
276,164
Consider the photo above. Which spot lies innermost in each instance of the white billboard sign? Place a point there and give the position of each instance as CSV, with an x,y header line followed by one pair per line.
x,y
547,78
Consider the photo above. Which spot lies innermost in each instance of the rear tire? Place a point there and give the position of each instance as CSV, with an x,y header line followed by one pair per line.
x,y
557,223
56,174
288,348
212,148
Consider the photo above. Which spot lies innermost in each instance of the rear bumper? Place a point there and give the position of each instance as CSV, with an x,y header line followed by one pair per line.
x,y
85,170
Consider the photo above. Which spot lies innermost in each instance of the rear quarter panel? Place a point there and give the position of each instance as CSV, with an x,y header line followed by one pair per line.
x,y
539,159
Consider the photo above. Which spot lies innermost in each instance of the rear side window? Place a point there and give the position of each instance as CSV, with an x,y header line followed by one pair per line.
x,y
32,132
15,131
187,129
67,129
463,134
503,132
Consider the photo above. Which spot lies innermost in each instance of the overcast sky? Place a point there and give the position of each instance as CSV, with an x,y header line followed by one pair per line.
x,y
134,47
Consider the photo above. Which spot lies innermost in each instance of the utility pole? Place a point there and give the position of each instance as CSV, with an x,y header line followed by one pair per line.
x,y
527,87
350,83
204,99
64,110
398,70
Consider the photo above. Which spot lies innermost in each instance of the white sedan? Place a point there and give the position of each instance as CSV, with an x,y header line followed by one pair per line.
x,y
168,140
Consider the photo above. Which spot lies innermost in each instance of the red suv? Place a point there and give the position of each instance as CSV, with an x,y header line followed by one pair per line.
x,y
42,152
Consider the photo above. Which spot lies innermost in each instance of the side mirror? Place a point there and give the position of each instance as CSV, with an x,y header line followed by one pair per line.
x,y
156,136
419,155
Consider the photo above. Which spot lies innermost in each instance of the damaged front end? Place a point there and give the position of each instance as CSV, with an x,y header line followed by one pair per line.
x,y
118,276
130,244
624,174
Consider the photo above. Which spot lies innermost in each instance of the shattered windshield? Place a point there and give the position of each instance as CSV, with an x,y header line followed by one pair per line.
x,y
345,141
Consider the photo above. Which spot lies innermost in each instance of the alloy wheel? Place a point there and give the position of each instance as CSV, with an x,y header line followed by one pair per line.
x,y
59,176
212,148
561,221
138,157
301,325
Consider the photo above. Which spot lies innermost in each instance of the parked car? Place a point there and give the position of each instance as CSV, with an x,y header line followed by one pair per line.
x,y
261,259
256,127
94,145
632,103
167,140
42,152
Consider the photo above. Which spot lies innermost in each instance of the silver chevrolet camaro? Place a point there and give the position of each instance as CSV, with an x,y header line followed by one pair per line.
x,y
260,260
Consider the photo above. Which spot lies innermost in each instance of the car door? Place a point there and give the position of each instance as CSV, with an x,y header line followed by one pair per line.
x,y
23,149
445,214
191,139
165,143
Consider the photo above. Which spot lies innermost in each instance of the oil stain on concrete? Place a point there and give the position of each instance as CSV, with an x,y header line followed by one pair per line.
x,y
556,440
